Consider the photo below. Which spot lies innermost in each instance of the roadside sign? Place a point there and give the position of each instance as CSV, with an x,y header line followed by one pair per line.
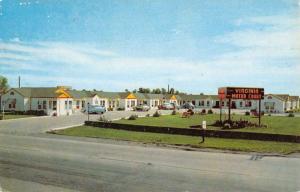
x,y
246,93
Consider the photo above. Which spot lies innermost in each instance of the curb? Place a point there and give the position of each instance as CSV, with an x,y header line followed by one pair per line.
x,y
66,127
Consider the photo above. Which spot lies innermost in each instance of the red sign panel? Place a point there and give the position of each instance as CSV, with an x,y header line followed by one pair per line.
x,y
241,93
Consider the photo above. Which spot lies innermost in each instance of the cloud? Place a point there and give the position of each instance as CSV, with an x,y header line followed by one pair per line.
x,y
265,57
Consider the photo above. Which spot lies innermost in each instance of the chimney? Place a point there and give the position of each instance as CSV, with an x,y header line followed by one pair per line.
x,y
19,79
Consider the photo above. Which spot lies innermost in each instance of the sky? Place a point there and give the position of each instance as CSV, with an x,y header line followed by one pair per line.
x,y
195,46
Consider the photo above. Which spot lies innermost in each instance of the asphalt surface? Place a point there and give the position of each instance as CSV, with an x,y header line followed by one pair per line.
x,y
31,160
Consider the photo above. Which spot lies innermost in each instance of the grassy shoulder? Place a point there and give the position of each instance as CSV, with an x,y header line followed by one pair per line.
x,y
16,116
216,143
275,124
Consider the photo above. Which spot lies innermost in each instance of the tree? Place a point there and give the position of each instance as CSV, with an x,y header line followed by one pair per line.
x,y
3,88
156,91
172,91
134,91
163,91
177,92
126,90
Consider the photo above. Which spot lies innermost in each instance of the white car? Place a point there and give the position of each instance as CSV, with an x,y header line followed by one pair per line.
x,y
142,108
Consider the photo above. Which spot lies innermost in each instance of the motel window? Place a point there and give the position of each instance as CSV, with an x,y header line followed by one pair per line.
x,y
223,103
207,103
39,105
145,102
193,102
54,105
96,102
83,104
44,104
248,104
9,106
241,104
128,103
50,104
233,104
132,103
70,104
66,104
202,103
217,103
77,104
12,93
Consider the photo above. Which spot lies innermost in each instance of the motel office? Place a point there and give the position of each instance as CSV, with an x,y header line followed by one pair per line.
x,y
64,100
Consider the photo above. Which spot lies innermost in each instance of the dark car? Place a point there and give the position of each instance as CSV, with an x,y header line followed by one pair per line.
x,y
187,106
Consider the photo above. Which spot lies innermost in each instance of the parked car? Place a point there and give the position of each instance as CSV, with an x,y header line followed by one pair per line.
x,y
167,106
95,109
187,106
142,108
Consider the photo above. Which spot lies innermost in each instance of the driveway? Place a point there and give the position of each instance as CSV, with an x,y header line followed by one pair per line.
x,y
38,125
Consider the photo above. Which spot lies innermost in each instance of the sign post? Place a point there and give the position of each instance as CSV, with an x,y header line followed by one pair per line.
x,y
259,112
88,111
222,96
220,110
244,93
229,110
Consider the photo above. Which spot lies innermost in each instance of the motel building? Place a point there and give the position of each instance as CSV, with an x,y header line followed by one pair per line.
x,y
63,100
280,103
54,101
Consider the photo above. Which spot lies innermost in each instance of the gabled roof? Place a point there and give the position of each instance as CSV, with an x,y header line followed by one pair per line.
x,y
193,97
38,92
294,98
276,96
80,94
154,96
108,95
284,97
141,96
123,95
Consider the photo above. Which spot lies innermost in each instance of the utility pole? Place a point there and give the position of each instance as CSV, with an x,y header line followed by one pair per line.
x,y
19,80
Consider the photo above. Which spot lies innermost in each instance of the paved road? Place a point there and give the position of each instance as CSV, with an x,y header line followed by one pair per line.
x,y
33,161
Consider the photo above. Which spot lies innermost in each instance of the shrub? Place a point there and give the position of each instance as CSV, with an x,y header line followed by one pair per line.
x,y
35,112
133,117
120,109
148,115
291,115
247,113
203,111
210,111
156,114
173,112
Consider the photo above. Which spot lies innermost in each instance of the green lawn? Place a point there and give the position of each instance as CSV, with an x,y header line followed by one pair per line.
x,y
224,144
276,125
16,116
